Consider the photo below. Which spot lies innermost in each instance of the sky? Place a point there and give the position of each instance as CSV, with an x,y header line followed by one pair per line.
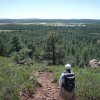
x,y
50,9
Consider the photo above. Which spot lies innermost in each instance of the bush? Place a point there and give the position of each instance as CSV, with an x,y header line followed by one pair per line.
x,y
22,56
13,78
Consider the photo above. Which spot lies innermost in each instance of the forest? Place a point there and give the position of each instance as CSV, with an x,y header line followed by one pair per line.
x,y
26,46
55,45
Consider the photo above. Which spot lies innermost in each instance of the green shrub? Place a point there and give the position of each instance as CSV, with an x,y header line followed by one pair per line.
x,y
13,78
21,55
87,82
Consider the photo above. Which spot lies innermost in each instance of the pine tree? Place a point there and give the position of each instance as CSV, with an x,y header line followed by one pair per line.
x,y
51,46
15,44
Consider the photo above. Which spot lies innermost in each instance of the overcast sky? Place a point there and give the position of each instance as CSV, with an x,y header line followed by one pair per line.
x,y
50,9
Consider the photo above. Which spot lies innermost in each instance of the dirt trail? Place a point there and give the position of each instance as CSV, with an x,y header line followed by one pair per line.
x,y
48,90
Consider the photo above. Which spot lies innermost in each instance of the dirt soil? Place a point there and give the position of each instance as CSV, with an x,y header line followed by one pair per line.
x,y
48,90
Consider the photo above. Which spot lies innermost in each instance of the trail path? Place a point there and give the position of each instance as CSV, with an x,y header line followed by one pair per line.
x,y
48,90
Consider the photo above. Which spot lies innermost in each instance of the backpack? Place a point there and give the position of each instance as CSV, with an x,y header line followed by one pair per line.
x,y
69,82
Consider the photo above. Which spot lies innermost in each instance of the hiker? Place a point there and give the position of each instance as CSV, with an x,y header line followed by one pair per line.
x,y
67,84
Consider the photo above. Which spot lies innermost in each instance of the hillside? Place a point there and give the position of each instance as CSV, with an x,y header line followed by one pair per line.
x,y
27,47
40,81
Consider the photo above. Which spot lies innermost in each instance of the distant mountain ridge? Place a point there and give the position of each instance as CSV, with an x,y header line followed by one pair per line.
x,y
35,20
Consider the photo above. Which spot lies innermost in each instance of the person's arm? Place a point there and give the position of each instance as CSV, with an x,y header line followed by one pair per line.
x,y
61,79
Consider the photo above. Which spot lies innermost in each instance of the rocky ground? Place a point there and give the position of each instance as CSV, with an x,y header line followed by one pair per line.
x,y
46,89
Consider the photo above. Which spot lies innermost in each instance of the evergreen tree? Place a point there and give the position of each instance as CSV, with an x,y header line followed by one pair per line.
x,y
32,49
2,47
51,46
15,44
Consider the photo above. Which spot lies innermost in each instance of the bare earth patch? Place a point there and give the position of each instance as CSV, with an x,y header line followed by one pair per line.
x,y
48,90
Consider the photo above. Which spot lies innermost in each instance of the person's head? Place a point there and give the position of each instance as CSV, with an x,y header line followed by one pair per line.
x,y
68,67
